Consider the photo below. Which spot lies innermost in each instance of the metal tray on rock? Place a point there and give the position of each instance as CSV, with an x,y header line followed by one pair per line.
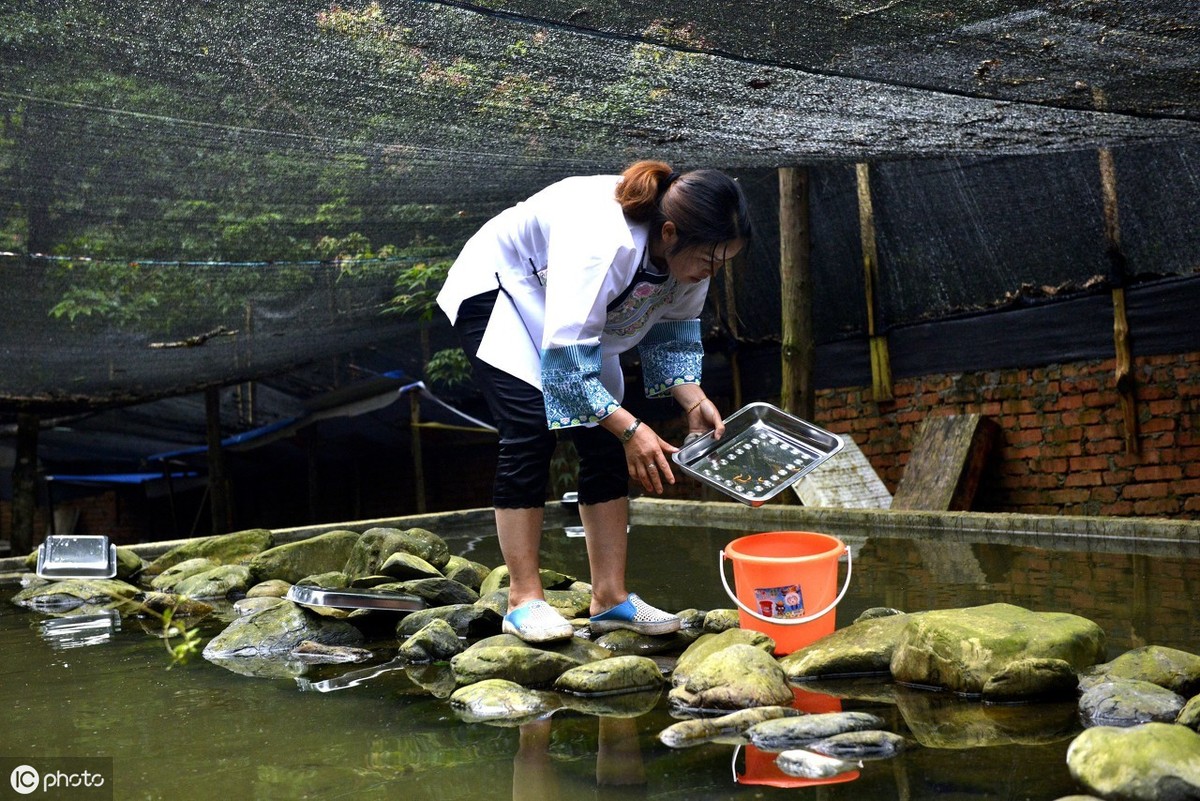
x,y
354,599
763,452
66,556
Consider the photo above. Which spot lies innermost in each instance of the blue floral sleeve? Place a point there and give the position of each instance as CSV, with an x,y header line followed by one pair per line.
x,y
671,355
571,386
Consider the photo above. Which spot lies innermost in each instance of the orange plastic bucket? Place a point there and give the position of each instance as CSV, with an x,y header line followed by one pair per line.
x,y
787,584
761,769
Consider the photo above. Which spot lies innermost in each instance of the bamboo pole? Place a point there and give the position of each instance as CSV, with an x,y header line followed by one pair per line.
x,y
1126,383
795,280
881,366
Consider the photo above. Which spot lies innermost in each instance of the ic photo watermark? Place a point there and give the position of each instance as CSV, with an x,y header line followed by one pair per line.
x,y
52,778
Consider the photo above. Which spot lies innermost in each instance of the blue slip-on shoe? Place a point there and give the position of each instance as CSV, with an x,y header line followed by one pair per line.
x,y
536,621
634,614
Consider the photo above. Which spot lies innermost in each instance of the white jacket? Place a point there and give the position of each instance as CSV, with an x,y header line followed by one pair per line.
x,y
565,261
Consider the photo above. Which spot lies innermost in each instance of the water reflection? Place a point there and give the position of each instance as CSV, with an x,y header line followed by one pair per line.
x,y
619,760
79,630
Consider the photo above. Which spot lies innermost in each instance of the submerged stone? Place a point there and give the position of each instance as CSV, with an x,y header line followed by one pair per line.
x,y
57,596
1150,762
942,720
618,674
810,765
277,630
315,652
501,701
868,744
960,649
309,557
1129,702
737,677
621,705
226,549
781,734
701,730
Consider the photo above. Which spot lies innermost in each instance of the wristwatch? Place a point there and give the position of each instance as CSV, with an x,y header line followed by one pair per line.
x,y
628,433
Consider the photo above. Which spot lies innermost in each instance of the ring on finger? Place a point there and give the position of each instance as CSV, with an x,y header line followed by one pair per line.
x,y
651,467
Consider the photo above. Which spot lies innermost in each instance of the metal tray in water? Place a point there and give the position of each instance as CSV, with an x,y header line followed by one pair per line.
x,y
354,599
763,452
67,556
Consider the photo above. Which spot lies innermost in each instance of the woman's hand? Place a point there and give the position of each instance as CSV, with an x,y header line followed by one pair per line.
x,y
704,416
647,456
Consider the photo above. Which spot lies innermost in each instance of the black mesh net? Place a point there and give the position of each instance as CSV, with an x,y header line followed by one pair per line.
x,y
199,193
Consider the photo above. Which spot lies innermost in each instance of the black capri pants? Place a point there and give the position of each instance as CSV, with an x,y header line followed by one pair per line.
x,y
526,444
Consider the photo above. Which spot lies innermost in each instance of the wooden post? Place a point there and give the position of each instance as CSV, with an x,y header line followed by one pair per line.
x,y
218,489
1126,383
414,406
24,484
795,281
881,366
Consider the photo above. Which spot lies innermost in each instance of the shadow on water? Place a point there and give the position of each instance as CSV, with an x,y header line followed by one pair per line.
x,y
96,685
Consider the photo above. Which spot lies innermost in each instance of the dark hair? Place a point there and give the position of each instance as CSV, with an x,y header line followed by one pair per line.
x,y
707,206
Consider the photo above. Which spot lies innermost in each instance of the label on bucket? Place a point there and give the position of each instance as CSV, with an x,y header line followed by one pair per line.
x,y
783,602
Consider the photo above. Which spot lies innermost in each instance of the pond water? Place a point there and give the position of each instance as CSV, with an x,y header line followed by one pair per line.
x,y
200,731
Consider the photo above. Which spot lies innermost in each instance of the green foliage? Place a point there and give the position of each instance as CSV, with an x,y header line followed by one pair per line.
x,y
448,367
416,289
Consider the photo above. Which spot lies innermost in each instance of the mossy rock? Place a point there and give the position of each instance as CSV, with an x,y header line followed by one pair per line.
x,y
217,582
618,674
498,579
709,644
960,649
294,561
375,545
1151,762
58,596
226,549
277,630
862,648
524,665
167,580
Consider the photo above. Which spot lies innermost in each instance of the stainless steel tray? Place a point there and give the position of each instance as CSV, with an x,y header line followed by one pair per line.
x,y
68,556
763,452
354,599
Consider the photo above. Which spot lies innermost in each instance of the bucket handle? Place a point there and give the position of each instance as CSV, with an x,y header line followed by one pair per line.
x,y
786,621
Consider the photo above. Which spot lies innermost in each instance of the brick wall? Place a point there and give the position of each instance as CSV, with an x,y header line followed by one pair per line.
x,y
1062,449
